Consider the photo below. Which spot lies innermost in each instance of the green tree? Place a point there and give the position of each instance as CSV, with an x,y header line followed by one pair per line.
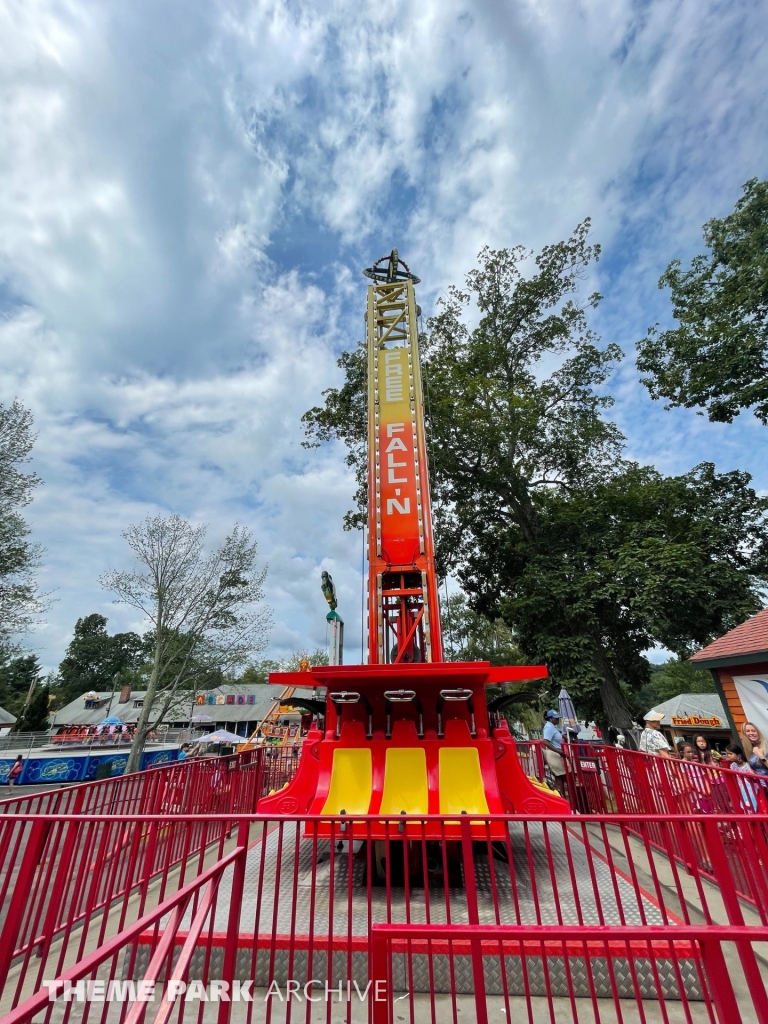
x,y
470,636
18,678
203,610
35,716
621,566
258,672
20,602
717,358
589,559
93,658
670,679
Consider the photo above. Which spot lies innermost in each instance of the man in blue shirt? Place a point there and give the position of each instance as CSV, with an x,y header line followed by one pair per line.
x,y
553,749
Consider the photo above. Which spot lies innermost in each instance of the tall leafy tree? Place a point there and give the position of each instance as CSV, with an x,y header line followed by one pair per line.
x,y
620,566
34,717
93,658
717,358
204,610
589,559
19,676
470,636
20,601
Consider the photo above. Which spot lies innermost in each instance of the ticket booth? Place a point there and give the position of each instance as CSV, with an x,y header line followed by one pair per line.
x,y
738,662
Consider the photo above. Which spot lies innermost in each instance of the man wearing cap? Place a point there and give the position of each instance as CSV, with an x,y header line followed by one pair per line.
x,y
553,749
652,739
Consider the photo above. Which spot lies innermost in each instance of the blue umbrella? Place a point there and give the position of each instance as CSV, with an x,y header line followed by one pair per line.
x,y
112,720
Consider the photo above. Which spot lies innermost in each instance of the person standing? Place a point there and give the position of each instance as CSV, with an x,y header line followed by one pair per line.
x,y
15,773
755,747
553,749
737,762
652,739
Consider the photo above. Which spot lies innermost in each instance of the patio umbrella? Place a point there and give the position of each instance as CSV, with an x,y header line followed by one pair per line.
x,y
201,718
567,710
221,736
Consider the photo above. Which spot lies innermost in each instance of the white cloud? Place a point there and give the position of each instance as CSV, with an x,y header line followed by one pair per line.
x,y
166,171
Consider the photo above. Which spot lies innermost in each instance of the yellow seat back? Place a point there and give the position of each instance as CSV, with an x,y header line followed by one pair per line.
x,y
461,781
405,781
351,781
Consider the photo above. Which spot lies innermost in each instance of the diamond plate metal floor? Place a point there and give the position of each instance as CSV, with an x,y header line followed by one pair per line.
x,y
541,876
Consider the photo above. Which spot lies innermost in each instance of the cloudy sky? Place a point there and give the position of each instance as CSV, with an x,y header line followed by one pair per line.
x,y
188,191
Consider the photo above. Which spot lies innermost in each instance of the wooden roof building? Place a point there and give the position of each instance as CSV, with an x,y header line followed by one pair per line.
x,y
738,662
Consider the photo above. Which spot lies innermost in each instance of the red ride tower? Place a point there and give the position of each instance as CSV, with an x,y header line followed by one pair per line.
x,y
407,735
403,609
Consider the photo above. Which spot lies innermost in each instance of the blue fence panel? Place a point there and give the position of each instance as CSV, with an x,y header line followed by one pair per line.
x,y
79,767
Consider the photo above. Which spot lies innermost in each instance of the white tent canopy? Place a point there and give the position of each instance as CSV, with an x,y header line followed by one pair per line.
x,y
693,710
221,736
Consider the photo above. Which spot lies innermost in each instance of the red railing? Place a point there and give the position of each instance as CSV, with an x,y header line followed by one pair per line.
x,y
289,906
195,785
609,780
56,875
278,767
691,975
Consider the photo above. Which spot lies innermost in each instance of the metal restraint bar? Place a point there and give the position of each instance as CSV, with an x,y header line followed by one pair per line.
x,y
402,697
450,695
350,697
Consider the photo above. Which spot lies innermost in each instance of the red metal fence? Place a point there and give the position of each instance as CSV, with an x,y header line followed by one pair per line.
x,y
692,975
193,786
565,910
608,780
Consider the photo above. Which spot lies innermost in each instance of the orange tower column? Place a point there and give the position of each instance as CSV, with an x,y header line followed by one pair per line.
x,y
403,609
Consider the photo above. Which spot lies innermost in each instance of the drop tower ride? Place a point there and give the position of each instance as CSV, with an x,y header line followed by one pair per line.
x,y
407,735
404,617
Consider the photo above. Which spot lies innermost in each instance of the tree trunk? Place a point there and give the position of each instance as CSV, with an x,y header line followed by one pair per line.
x,y
617,710
143,725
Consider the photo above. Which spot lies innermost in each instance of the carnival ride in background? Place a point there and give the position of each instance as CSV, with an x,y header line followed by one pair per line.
x,y
407,734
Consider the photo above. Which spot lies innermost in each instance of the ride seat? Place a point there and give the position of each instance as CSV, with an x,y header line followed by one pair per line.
x,y
351,771
351,782
460,777
405,781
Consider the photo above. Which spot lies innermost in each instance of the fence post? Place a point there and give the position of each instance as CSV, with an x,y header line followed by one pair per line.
x,y
377,975
229,967
725,884
473,917
720,985
611,761
22,891
63,874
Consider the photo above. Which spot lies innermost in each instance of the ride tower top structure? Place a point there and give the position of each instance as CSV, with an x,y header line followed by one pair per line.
x,y
403,609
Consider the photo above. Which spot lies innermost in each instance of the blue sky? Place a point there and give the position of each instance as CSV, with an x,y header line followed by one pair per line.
x,y
188,192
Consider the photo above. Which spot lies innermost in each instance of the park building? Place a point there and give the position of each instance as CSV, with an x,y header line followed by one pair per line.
x,y
7,721
738,662
238,708
690,714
